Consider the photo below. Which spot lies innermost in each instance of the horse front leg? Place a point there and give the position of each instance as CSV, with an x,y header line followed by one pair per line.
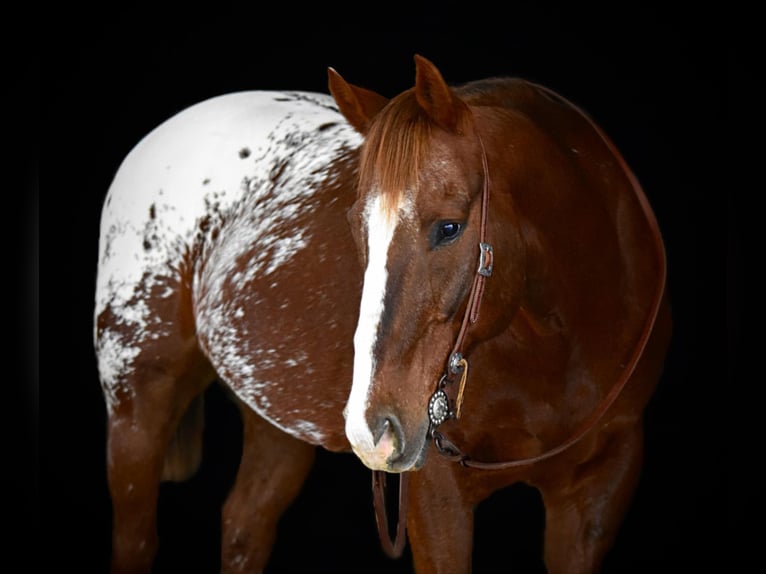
x,y
440,519
272,471
584,509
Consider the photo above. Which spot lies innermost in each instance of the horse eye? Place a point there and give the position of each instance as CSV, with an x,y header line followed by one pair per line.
x,y
446,232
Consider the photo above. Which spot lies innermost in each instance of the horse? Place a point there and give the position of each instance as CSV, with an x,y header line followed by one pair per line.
x,y
463,286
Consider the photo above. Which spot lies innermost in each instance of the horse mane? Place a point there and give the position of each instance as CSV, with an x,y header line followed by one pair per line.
x,y
501,92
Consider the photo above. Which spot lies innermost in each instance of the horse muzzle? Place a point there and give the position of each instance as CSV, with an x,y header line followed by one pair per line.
x,y
388,448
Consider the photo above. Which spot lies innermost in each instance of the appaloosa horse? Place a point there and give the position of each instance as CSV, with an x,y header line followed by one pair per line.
x,y
494,226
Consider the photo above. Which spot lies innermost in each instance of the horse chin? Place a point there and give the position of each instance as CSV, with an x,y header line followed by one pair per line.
x,y
421,459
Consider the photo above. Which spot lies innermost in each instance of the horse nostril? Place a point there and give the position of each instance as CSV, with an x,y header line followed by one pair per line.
x,y
383,427
388,437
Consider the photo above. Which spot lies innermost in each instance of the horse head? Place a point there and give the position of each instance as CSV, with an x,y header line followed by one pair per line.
x,y
417,223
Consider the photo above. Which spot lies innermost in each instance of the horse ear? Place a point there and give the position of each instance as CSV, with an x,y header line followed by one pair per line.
x,y
435,96
356,104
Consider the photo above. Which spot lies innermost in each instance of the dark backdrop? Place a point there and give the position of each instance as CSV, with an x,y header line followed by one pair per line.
x,y
656,81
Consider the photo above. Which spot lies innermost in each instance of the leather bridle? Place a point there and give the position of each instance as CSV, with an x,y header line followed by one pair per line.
x,y
440,408
439,404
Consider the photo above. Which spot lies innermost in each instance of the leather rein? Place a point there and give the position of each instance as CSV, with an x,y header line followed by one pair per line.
x,y
441,408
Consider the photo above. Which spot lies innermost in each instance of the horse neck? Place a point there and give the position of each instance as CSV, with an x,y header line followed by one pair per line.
x,y
591,267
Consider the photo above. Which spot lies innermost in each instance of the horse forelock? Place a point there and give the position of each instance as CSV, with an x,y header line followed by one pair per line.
x,y
394,150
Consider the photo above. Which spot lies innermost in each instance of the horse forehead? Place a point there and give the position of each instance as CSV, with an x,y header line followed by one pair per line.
x,y
382,212
445,171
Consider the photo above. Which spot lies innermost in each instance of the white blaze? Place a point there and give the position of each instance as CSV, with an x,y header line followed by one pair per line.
x,y
380,230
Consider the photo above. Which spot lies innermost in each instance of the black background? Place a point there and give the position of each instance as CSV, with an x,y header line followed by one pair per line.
x,y
655,80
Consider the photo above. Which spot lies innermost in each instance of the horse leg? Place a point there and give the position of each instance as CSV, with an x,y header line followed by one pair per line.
x,y
439,519
152,402
584,510
272,471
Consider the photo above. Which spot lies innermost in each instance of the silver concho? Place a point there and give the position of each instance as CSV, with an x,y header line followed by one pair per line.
x,y
438,408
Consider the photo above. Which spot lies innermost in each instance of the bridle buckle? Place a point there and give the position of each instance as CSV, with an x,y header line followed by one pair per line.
x,y
486,259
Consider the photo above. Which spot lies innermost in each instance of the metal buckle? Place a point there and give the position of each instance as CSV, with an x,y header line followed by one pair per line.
x,y
455,364
486,259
